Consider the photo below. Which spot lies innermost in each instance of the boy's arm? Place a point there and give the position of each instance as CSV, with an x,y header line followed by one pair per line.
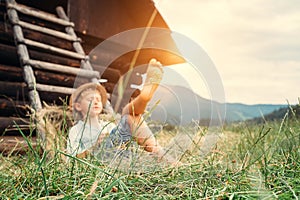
x,y
75,146
95,146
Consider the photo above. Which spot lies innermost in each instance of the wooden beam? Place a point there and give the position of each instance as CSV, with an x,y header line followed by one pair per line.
x,y
53,49
48,39
62,68
14,90
10,107
8,56
52,88
46,31
57,79
39,14
85,64
7,37
111,74
12,145
11,73
10,125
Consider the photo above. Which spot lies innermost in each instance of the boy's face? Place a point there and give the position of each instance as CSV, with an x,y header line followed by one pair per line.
x,y
89,103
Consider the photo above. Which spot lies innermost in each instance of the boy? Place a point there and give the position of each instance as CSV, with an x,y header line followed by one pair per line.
x,y
91,133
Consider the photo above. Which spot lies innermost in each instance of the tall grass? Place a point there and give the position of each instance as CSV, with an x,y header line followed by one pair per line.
x,y
250,161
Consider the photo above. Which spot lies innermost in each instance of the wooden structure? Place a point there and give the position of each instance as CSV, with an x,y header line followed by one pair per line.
x,y
43,51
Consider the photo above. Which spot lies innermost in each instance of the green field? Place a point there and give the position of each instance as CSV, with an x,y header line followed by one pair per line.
x,y
249,161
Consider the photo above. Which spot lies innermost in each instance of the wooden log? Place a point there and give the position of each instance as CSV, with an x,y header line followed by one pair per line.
x,y
6,37
15,74
46,31
9,56
6,32
58,79
111,74
88,42
10,107
11,73
15,90
53,98
16,145
48,39
62,69
51,58
121,64
13,16
56,89
39,14
10,125
85,64
18,91
70,31
53,49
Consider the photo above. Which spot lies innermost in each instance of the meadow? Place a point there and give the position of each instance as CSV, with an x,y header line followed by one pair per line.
x,y
249,161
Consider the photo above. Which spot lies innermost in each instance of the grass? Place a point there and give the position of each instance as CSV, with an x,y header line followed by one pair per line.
x,y
249,161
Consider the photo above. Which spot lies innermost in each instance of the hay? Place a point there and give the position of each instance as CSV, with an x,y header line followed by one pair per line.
x,y
53,122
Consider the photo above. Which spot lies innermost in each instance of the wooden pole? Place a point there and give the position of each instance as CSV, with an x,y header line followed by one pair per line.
x,y
52,49
57,89
48,31
39,14
9,107
63,69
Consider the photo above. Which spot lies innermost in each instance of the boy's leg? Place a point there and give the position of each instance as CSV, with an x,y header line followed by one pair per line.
x,y
145,138
154,76
142,134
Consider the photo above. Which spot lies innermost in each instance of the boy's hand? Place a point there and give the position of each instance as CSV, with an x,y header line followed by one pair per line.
x,y
83,154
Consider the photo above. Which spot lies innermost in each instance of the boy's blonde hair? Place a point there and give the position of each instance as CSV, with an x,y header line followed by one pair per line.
x,y
76,96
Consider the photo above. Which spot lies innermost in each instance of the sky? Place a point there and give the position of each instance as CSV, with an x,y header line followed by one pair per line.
x,y
254,45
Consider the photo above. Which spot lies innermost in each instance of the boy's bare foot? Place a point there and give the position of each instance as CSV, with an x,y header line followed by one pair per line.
x,y
154,76
154,72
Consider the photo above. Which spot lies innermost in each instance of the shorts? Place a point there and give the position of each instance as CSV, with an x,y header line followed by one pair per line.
x,y
121,135
117,143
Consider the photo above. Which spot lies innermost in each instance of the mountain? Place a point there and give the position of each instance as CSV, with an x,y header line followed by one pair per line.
x,y
292,111
241,112
178,105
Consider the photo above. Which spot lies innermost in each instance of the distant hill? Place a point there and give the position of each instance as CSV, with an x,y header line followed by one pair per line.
x,y
179,105
279,114
241,112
